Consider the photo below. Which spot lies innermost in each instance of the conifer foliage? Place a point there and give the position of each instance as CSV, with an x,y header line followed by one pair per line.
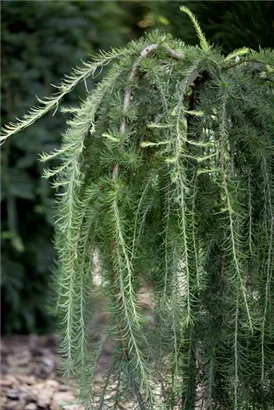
x,y
167,174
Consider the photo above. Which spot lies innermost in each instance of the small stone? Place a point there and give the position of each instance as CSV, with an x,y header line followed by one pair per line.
x,y
52,384
45,397
31,406
13,393
29,380
27,395
13,405
62,399
3,401
40,369
64,387
39,386
18,360
48,362
7,381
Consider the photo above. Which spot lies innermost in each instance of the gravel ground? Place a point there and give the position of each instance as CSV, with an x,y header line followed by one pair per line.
x,y
30,379
30,370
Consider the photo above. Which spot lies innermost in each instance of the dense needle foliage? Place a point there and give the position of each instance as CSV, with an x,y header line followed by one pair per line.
x,y
167,174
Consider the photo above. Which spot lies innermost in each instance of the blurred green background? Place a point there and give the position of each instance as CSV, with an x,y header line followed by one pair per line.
x,y
41,41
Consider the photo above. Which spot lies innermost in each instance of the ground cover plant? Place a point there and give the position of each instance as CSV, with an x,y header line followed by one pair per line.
x,y
166,175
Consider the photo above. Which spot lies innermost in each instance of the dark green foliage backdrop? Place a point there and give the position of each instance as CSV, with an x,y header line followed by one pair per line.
x,y
232,24
41,41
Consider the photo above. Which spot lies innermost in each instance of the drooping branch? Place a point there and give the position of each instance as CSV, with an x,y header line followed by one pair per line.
x,y
146,52
258,63
69,83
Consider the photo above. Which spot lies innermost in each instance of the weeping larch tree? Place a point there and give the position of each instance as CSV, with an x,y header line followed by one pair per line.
x,y
166,172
